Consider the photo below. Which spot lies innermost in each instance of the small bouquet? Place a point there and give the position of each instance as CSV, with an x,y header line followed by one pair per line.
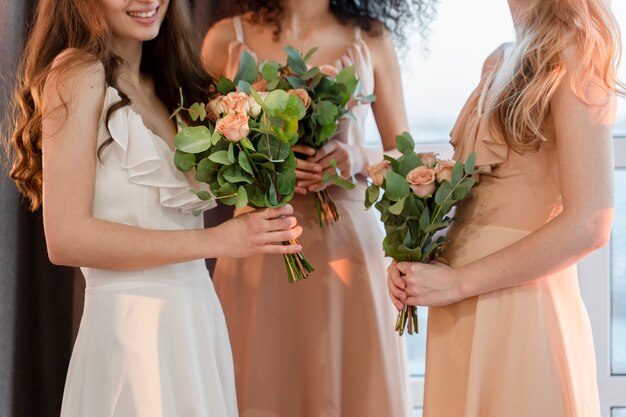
x,y
325,93
419,191
242,148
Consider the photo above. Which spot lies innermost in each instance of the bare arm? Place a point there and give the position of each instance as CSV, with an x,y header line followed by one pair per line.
x,y
215,47
389,111
75,237
583,135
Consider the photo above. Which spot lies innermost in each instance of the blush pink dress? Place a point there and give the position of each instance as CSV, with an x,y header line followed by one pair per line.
x,y
324,347
525,351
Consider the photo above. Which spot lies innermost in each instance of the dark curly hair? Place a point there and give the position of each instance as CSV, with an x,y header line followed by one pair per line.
x,y
396,16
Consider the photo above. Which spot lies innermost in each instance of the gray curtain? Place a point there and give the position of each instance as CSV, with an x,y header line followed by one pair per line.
x,y
40,304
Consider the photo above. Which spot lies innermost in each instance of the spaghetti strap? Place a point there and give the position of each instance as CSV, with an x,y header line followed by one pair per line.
x,y
238,25
357,33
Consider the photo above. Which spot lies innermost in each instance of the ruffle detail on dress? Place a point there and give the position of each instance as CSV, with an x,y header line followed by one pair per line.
x,y
471,133
150,161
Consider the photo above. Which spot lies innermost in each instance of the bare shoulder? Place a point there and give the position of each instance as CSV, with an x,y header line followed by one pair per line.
x,y
381,48
495,56
75,77
215,45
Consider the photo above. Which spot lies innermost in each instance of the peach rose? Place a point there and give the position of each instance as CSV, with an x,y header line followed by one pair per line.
x,y
443,169
303,95
215,108
329,70
422,181
236,103
378,171
428,158
233,127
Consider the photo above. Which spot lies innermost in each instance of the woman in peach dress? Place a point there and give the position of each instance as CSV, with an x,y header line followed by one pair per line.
x,y
322,347
508,334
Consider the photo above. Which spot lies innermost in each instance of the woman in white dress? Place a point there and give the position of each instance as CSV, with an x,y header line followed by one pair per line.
x,y
93,141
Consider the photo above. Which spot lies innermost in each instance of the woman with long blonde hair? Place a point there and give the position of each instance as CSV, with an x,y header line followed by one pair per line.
x,y
508,334
93,145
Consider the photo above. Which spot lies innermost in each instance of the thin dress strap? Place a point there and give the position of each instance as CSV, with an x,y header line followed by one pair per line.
x,y
238,25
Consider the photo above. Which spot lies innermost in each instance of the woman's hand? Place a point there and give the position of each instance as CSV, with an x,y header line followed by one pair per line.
x,y
418,284
396,286
349,161
307,171
259,231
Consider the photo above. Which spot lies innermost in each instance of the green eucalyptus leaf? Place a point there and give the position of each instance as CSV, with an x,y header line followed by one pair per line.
x,y
397,207
231,153
206,171
248,70
407,163
244,87
184,161
338,180
457,173
470,164
396,187
310,53
225,86
193,139
444,192
286,182
276,101
424,220
204,195
197,111
405,143
414,255
244,163
269,71
296,82
463,190
325,112
221,157
242,197
234,174
292,52
371,195
247,144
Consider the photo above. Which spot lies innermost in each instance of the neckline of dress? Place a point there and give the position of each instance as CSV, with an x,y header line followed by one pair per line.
x,y
136,113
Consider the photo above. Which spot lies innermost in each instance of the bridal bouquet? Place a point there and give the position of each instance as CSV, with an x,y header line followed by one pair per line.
x,y
241,147
419,191
325,93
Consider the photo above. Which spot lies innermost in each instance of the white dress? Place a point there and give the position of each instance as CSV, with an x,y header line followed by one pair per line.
x,y
153,342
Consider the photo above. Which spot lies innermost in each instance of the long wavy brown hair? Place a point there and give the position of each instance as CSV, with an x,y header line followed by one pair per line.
x,y
519,109
396,16
171,58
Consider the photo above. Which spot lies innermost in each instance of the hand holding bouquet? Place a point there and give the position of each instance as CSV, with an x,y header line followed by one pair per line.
x,y
419,191
242,148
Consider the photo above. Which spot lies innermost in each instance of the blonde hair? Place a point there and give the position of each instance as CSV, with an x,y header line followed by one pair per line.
x,y
519,109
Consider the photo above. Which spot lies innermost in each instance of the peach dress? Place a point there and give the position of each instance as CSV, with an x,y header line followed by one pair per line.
x,y
324,347
525,351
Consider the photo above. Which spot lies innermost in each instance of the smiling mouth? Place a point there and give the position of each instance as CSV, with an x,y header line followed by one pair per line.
x,y
143,15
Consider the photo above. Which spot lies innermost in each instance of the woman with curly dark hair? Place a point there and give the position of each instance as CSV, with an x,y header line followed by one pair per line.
x,y
93,144
325,346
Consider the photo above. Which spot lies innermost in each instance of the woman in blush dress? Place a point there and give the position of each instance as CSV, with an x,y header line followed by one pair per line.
x,y
508,334
94,142
324,346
